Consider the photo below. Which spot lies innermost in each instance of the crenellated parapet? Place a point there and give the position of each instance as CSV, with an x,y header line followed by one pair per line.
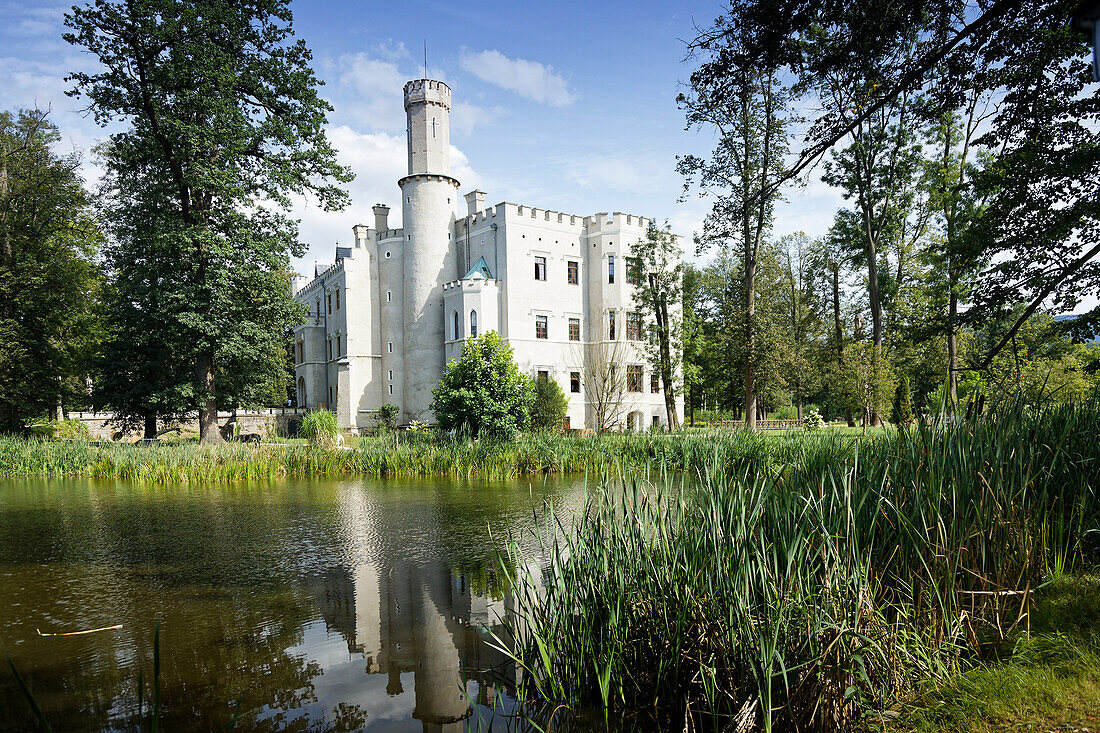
x,y
427,91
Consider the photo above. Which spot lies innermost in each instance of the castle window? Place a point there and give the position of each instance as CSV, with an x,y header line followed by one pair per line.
x,y
575,382
387,255
573,272
540,268
544,375
542,329
389,347
634,378
391,389
390,375
337,299
633,269
611,268
299,351
457,322
634,326
328,302
389,296
574,329
654,382
611,325
656,420
473,324
338,349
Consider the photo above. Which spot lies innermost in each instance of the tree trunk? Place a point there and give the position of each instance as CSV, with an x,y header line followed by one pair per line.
x,y
839,332
952,350
208,405
666,365
876,313
150,425
750,340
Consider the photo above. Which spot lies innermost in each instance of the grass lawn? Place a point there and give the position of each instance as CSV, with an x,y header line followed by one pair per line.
x,y
1050,680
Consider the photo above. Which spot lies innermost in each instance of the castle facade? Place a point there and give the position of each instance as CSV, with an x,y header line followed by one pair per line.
x,y
399,303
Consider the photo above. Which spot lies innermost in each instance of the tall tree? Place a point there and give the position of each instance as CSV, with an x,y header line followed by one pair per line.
x,y
658,290
48,281
830,261
1040,234
225,125
745,103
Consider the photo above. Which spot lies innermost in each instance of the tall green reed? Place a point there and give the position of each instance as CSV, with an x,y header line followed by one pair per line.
x,y
806,593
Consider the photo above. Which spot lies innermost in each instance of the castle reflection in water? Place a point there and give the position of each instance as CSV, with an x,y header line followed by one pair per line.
x,y
405,611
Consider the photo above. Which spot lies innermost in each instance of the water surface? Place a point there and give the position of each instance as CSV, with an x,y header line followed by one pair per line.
x,y
317,605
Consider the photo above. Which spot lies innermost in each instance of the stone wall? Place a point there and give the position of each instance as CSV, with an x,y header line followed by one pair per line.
x,y
280,421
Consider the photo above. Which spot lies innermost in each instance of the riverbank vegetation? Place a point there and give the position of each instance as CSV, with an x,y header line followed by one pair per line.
x,y
818,595
424,453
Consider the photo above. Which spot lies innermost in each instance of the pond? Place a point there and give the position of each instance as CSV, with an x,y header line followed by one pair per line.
x,y
317,605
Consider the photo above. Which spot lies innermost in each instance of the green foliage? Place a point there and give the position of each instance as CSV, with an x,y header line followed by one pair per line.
x,y
549,406
866,380
812,420
901,414
658,291
223,125
483,391
319,427
813,583
388,414
48,280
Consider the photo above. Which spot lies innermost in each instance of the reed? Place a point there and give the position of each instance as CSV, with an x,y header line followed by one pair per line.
x,y
810,596
419,454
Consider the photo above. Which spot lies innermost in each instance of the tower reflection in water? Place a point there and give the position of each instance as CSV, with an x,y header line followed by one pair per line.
x,y
407,606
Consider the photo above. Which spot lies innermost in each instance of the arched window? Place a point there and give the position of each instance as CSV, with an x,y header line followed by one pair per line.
x,y
457,326
473,324
301,392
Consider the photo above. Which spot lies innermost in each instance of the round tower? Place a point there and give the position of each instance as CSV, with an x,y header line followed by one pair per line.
x,y
428,194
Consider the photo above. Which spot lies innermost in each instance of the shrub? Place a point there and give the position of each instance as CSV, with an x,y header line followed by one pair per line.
x,y
319,428
812,420
69,430
549,406
387,415
483,391
902,414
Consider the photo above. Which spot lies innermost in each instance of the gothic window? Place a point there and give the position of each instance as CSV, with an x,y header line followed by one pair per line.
x,y
328,302
338,351
611,325
338,299
575,382
473,324
574,329
573,268
540,268
634,326
634,378
542,329
457,332
611,268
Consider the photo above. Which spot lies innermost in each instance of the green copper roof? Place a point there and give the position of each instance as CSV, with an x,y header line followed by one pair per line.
x,y
480,269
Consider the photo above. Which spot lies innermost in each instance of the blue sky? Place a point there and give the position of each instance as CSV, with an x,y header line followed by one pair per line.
x,y
563,106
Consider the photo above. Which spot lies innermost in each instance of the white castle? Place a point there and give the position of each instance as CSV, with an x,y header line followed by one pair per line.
x,y
399,303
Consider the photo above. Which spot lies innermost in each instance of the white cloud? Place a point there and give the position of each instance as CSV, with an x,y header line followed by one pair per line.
x,y
366,91
635,173
378,160
526,78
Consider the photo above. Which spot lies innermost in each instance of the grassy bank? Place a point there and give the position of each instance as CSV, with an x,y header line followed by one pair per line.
x,y
1048,680
817,596
418,455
